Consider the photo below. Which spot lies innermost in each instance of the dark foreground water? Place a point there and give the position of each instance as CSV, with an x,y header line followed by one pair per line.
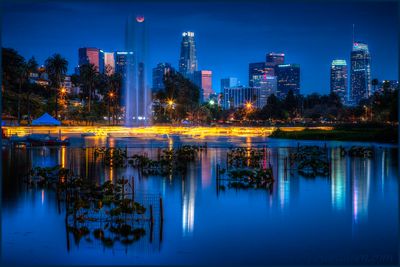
x,y
350,217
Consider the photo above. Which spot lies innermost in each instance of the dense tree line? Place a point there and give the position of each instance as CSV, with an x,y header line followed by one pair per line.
x,y
99,95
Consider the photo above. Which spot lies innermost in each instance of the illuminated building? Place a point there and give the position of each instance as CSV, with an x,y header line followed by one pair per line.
x,y
339,79
275,58
390,85
90,55
188,59
256,69
360,74
109,60
203,79
267,85
288,76
236,97
159,73
228,82
121,61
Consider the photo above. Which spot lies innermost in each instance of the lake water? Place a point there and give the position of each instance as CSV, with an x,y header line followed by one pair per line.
x,y
350,217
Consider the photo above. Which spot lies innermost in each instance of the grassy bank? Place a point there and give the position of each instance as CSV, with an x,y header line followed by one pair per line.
x,y
362,134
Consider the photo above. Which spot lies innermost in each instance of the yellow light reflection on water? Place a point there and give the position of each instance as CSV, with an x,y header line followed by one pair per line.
x,y
195,131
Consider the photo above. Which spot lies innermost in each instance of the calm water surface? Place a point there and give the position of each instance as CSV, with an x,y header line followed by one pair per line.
x,y
350,217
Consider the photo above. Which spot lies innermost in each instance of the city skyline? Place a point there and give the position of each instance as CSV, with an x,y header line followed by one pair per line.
x,y
228,57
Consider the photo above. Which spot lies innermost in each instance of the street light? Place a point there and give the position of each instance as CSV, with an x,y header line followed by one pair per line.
x,y
249,105
110,96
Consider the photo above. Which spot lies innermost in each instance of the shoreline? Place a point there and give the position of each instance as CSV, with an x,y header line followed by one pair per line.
x,y
388,135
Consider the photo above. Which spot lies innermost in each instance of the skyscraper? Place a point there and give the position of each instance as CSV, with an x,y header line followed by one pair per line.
x,y
158,75
268,86
275,58
360,75
339,79
109,62
89,55
288,76
203,79
121,61
256,69
272,60
188,59
228,82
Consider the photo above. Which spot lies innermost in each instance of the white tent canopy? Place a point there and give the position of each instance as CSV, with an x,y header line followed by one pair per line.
x,y
46,119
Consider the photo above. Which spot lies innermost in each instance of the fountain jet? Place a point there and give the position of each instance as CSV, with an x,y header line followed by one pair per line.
x,y
136,93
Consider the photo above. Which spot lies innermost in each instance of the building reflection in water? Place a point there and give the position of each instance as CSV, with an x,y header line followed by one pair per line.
x,y
207,161
283,178
188,201
338,180
361,179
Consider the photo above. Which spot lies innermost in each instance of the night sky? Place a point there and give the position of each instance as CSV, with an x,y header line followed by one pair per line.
x,y
228,35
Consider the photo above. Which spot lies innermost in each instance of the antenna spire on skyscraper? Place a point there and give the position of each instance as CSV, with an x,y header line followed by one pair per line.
x,y
353,33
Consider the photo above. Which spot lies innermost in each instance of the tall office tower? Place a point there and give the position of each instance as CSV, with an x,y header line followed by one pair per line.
x,y
256,69
109,62
228,82
203,79
272,60
268,86
236,97
360,74
339,79
89,55
188,59
275,58
159,73
288,76
121,61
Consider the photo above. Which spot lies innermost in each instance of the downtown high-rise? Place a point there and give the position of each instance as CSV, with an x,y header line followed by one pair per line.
x,y
90,55
338,79
288,76
203,79
360,73
188,59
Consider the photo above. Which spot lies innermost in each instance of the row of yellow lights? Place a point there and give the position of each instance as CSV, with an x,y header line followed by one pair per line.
x,y
151,130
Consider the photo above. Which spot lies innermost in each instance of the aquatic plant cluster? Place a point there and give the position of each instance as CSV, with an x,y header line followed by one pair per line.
x,y
108,212
359,151
311,161
246,168
246,156
168,160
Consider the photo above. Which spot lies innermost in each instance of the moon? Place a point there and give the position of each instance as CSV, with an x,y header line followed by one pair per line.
x,y
140,19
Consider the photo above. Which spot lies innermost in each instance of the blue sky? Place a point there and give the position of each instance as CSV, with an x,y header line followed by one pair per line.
x,y
229,35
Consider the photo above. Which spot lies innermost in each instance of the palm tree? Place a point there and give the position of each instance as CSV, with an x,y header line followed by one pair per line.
x,y
23,74
89,77
56,67
32,67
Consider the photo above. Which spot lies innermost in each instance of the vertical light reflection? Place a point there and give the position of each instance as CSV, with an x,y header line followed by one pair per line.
x,y
361,189
283,178
188,205
42,197
207,167
63,156
338,180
